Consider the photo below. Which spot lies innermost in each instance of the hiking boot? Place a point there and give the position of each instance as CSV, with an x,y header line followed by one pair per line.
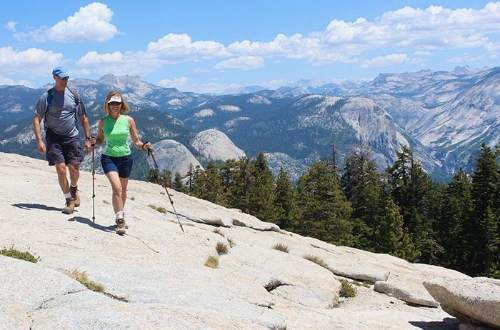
x,y
70,206
120,226
116,224
75,195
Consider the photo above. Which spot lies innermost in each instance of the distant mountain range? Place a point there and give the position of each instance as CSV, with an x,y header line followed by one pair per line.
x,y
443,116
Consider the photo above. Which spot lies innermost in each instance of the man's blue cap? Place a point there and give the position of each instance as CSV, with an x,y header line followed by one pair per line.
x,y
60,72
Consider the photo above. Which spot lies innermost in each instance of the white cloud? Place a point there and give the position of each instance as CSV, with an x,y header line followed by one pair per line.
x,y
32,61
385,60
89,23
11,26
178,82
408,30
242,62
182,47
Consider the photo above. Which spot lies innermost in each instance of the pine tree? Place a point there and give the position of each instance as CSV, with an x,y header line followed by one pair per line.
x,y
362,185
454,224
261,190
324,211
178,184
391,236
238,190
411,188
485,221
285,201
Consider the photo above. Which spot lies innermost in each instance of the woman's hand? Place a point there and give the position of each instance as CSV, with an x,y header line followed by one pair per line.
x,y
147,146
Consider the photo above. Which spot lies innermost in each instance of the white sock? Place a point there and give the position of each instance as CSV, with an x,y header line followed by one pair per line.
x,y
120,215
67,195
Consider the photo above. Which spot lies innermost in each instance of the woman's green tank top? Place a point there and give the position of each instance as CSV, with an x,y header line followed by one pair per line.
x,y
116,134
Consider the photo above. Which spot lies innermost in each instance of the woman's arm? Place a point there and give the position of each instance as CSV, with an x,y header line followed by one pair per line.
x,y
135,136
100,132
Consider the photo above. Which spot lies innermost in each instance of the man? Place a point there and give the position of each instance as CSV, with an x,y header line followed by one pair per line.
x,y
60,108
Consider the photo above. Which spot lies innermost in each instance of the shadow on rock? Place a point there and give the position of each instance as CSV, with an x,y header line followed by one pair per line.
x,y
29,206
448,323
89,222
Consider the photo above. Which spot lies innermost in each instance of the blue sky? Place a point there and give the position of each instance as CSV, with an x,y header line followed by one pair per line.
x,y
210,46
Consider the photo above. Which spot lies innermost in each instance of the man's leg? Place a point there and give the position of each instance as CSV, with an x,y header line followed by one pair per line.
x,y
74,175
63,183
61,176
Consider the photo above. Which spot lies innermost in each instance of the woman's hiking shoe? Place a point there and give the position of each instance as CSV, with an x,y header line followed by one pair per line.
x,y
120,226
75,195
70,206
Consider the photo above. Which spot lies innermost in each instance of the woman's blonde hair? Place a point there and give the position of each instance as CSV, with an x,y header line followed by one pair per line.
x,y
124,108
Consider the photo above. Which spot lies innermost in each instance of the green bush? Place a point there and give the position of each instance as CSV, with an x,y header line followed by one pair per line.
x,y
346,289
13,253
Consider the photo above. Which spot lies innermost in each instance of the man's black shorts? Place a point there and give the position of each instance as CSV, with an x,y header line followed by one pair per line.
x,y
61,149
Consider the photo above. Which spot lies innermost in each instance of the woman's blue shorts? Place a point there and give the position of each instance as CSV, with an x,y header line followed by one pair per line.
x,y
122,165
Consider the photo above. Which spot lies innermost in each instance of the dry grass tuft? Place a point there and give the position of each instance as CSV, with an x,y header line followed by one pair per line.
x,y
83,279
212,262
281,247
317,260
221,248
13,253
347,290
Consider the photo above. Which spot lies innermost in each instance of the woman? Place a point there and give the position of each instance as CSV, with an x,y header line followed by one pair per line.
x,y
116,160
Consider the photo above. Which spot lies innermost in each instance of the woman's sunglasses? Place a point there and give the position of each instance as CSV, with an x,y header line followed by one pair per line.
x,y
114,103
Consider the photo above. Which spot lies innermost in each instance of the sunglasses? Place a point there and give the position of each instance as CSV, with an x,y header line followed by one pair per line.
x,y
114,103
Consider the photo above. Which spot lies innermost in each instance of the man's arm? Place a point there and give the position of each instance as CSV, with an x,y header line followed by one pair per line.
x,y
35,122
84,120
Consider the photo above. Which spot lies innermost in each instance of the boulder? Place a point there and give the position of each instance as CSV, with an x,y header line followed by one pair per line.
x,y
475,300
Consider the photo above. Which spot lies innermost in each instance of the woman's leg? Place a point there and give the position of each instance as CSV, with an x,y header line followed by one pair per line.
x,y
116,185
124,184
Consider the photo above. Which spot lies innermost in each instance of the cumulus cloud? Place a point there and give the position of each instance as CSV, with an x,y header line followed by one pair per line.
x,y
181,46
119,63
415,31
32,61
178,82
89,23
11,26
242,62
385,60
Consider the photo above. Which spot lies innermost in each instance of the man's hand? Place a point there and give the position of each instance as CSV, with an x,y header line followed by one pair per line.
x,y
88,145
41,147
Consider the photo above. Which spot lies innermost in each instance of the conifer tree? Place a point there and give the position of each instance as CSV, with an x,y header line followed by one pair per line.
x,y
285,201
485,222
261,190
178,184
362,185
324,211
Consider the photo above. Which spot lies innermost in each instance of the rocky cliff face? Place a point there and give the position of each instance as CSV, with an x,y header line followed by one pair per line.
x,y
159,277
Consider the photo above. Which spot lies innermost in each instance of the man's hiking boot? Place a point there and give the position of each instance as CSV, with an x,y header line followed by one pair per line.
x,y
75,195
120,226
70,206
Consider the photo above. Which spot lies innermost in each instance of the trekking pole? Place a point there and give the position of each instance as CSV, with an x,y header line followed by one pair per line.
x,y
150,153
93,183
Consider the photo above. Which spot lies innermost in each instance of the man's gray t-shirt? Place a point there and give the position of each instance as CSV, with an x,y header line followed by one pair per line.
x,y
63,112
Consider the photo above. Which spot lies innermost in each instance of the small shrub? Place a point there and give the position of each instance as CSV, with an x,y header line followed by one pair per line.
x,y
346,289
281,247
82,278
13,253
212,262
317,260
221,248
158,208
